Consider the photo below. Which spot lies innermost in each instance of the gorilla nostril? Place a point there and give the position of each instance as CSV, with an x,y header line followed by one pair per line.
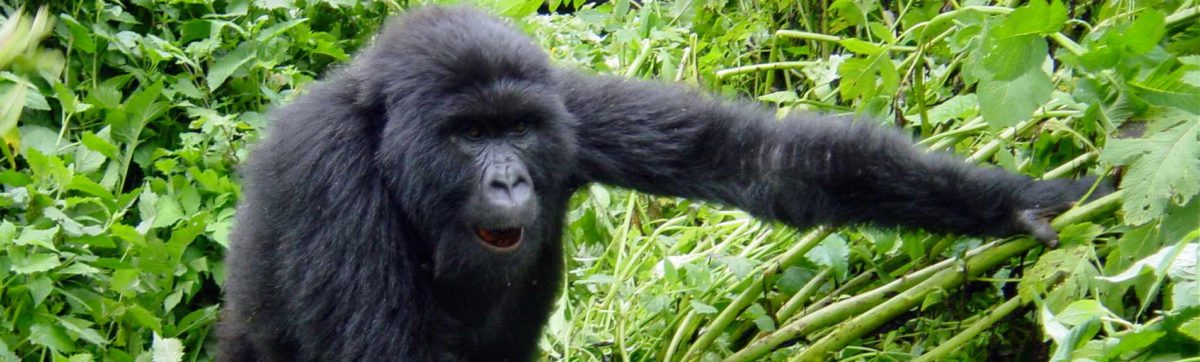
x,y
499,184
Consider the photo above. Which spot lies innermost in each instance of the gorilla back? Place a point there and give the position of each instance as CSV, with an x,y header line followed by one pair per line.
x,y
410,206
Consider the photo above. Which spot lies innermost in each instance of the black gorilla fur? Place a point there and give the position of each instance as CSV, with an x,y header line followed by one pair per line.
x,y
363,234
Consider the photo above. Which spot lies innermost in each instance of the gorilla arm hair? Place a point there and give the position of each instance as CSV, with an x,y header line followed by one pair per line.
x,y
802,170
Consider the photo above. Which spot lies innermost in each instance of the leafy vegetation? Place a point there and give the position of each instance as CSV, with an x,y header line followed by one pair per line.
x,y
123,124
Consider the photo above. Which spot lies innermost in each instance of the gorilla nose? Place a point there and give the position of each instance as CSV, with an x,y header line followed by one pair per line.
x,y
508,186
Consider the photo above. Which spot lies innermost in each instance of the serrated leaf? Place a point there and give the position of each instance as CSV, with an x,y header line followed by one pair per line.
x,y
51,336
1163,166
831,252
866,78
33,263
40,237
40,288
83,329
166,349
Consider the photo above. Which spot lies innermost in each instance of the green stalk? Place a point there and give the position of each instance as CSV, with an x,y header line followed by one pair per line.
x,y
833,38
794,303
854,329
725,73
751,293
946,348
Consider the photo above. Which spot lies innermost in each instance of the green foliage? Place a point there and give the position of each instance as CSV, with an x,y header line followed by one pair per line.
x,y
123,123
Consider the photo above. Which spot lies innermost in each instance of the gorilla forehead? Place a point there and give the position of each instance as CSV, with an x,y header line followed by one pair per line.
x,y
448,50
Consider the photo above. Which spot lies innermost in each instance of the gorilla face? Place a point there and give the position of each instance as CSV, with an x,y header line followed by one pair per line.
x,y
495,162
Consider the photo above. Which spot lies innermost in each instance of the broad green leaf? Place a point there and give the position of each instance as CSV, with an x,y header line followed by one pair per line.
x,y
144,318
1035,18
864,78
958,107
40,237
1010,58
39,288
166,349
33,263
86,185
1006,103
167,211
82,328
95,143
1163,167
51,336
229,63
12,101
1081,311
1191,328
8,232
1145,32
831,252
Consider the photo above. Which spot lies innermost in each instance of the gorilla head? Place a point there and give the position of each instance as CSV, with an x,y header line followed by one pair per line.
x,y
477,145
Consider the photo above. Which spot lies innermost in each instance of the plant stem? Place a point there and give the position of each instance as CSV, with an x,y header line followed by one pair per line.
x,y
946,348
945,279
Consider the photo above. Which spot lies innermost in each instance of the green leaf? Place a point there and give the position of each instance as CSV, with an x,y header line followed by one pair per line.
x,y
229,63
864,78
1145,32
87,186
1191,328
33,263
167,211
861,47
1163,166
1035,18
8,232
166,349
51,336
144,318
959,107
831,252
82,328
39,289
40,237
1009,58
1080,311
95,143
702,308
1006,103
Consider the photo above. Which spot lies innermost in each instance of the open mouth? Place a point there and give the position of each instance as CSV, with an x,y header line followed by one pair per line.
x,y
500,239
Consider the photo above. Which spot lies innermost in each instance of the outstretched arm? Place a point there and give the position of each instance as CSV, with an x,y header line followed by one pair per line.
x,y
665,139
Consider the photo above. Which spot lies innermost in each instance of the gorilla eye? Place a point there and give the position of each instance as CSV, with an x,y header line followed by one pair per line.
x,y
474,133
520,128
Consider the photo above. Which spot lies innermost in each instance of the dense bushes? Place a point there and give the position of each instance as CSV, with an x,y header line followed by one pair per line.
x,y
123,123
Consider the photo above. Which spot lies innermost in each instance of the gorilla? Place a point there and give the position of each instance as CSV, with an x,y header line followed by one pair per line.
x,y
410,205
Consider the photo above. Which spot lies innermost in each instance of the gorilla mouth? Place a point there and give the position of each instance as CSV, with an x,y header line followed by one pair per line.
x,y
500,239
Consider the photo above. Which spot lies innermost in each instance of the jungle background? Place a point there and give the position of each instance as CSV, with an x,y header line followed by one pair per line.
x,y
123,124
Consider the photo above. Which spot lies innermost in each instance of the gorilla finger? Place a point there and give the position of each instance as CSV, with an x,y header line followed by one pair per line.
x,y
1038,227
